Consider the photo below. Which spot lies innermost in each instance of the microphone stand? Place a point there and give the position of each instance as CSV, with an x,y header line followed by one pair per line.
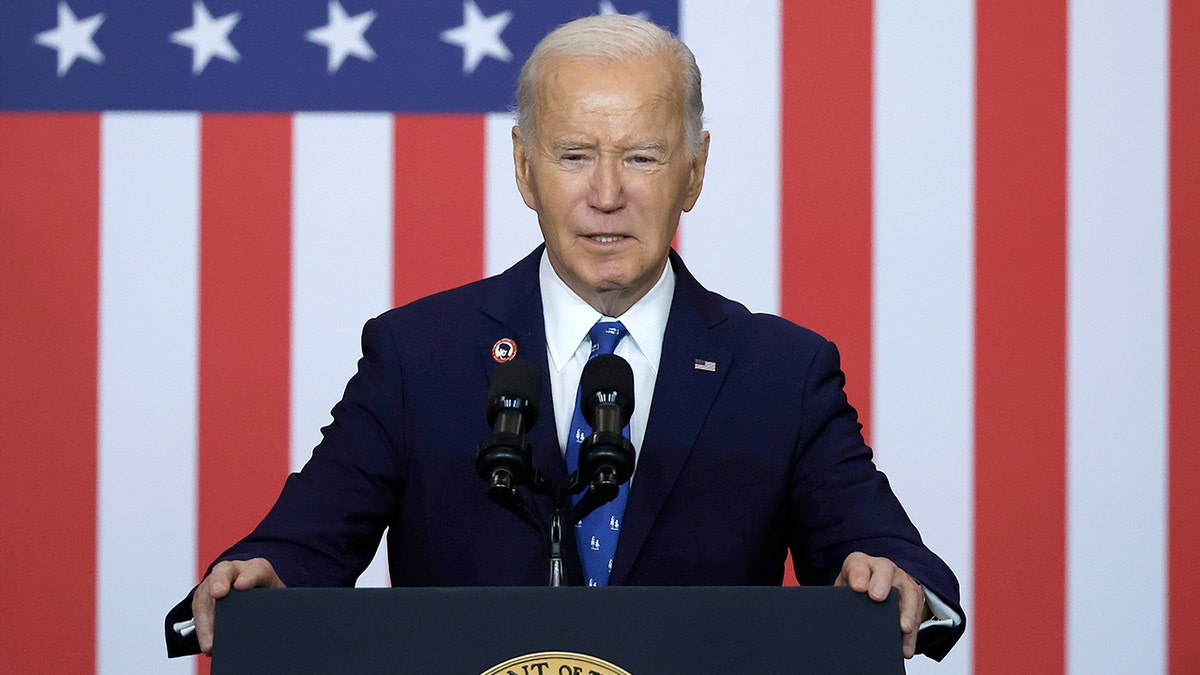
x,y
601,490
562,520
554,543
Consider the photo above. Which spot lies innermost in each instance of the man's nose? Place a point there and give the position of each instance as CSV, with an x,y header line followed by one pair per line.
x,y
607,191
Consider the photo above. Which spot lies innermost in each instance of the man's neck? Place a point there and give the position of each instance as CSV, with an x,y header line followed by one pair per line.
x,y
612,302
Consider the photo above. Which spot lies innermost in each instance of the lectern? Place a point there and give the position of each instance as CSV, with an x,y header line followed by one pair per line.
x,y
557,631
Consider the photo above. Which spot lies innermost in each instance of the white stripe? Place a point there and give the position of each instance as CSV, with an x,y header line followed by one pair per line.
x,y
510,228
341,263
923,285
146,548
730,241
1116,360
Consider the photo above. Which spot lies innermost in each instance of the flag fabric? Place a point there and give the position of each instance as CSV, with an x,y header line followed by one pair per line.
x,y
992,207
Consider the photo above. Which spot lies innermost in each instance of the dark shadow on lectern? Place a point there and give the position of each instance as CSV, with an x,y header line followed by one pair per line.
x,y
645,630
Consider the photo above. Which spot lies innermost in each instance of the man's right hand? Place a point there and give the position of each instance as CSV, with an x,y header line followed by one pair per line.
x,y
240,574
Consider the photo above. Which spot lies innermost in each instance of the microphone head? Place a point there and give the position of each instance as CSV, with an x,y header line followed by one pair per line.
x,y
516,384
607,378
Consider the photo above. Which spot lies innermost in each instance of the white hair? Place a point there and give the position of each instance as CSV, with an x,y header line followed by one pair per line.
x,y
610,39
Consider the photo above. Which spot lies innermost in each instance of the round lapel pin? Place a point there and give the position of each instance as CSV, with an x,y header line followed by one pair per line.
x,y
504,350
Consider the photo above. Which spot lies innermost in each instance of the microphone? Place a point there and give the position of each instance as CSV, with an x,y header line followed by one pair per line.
x,y
606,458
504,456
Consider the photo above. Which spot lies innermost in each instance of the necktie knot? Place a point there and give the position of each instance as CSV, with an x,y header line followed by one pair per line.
x,y
605,335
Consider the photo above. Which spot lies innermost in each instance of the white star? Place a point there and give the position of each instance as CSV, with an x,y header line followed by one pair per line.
x,y
479,36
343,36
208,37
72,38
607,9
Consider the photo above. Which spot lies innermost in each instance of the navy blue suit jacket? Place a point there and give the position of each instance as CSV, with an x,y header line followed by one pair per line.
x,y
737,467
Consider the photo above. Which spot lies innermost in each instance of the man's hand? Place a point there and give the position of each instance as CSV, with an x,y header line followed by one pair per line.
x,y
876,577
239,574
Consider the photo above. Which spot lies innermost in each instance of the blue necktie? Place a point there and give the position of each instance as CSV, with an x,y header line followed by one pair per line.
x,y
596,535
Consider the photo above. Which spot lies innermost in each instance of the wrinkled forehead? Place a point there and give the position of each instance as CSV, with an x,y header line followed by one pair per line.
x,y
575,89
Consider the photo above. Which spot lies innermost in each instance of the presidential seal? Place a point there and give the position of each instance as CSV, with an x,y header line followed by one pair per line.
x,y
556,663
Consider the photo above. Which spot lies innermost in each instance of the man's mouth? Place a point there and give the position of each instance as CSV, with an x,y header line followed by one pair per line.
x,y
606,238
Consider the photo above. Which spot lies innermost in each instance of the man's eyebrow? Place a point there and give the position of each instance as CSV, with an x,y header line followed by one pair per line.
x,y
568,146
643,146
649,146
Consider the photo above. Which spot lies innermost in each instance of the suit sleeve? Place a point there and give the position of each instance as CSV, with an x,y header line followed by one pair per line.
x,y
841,503
326,525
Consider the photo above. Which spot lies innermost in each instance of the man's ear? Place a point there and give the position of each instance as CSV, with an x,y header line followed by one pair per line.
x,y
521,166
696,178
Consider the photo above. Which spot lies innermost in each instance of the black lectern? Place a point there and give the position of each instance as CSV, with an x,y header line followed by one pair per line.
x,y
556,631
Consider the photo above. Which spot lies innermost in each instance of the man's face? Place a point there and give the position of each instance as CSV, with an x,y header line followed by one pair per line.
x,y
609,173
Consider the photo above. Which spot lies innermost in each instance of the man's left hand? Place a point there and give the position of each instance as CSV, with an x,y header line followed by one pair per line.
x,y
876,577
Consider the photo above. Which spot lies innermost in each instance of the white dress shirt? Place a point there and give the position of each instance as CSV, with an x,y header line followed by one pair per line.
x,y
568,319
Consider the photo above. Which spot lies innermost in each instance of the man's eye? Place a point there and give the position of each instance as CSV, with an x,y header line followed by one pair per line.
x,y
573,157
641,159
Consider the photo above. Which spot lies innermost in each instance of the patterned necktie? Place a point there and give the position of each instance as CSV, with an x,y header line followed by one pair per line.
x,y
596,535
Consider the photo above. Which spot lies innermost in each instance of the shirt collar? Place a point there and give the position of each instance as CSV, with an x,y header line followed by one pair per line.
x,y
568,318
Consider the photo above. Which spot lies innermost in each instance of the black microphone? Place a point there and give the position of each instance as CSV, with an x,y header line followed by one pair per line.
x,y
606,458
504,456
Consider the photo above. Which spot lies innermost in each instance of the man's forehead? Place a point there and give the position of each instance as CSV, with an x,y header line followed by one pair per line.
x,y
585,93
655,74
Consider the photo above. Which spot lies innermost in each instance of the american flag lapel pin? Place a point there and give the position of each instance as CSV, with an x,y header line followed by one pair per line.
x,y
706,366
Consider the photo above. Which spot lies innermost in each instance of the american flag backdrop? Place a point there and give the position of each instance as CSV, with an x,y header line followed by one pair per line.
x,y
993,207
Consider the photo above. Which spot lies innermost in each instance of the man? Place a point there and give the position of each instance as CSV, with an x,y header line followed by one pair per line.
x,y
746,445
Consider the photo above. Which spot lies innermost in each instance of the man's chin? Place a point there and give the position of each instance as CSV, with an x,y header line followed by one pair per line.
x,y
621,282
611,287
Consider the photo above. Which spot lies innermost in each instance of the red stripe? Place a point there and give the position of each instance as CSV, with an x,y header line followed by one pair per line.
x,y
1183,623
49,258
245,282
439,197
825,236
1020,344
826,175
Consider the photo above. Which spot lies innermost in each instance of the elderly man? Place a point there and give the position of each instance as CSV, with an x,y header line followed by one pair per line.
x,y
746,445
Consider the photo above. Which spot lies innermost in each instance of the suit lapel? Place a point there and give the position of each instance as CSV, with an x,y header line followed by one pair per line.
x,y
683,393
514,307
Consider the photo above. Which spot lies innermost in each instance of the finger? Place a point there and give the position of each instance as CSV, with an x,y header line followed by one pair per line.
x,y
883,578
909,644
912,608
856,572
216,585
256,573
871,575
203,606
202,613
912,602
220,580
